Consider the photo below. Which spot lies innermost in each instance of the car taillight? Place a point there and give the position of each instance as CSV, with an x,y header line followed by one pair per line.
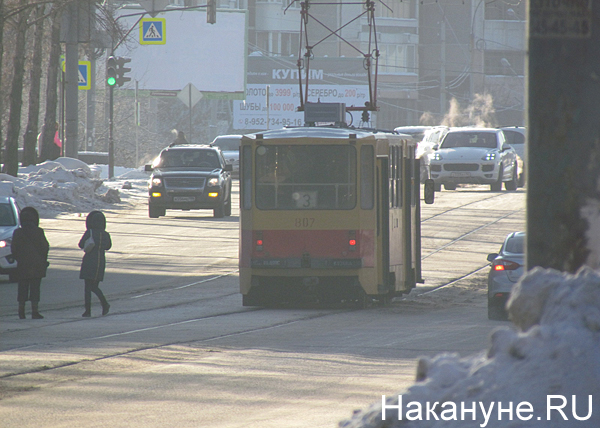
x,y
502,264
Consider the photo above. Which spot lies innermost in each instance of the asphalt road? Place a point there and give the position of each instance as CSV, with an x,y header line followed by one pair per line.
x,y
178,349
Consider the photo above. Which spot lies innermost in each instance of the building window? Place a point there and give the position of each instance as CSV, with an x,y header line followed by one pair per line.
x,y
397,58
505,11
504,63
405,9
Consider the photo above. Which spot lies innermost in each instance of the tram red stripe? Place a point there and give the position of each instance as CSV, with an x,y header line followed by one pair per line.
x,y
316,243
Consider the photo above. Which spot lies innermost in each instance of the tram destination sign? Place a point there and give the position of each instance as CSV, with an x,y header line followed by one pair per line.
x,y
331,80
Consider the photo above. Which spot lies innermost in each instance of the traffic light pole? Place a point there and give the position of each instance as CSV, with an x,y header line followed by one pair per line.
x,y
111,141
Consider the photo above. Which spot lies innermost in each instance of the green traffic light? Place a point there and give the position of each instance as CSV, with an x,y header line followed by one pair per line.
x,y
111,81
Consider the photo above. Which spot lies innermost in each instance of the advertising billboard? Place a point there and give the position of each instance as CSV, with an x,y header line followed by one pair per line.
x,y
331,80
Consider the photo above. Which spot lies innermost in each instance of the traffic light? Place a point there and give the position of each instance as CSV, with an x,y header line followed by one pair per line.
x,y
116,70
121,70
111,71
211,11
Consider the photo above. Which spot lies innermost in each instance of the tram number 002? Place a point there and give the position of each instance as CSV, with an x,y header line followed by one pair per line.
x,y
304,222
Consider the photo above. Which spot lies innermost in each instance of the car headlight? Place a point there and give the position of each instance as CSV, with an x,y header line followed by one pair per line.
x,y
490,157
5,243
156,182
213,181
436,156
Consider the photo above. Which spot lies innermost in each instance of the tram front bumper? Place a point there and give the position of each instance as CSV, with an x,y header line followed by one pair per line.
x,y
311,263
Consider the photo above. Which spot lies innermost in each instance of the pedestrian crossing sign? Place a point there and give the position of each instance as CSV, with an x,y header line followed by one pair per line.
x,y
153,31
84,79
84,74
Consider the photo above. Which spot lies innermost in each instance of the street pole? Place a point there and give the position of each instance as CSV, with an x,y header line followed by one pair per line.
x,y
443,68
71,83
190,104
91,107
563,153
137,125
111,141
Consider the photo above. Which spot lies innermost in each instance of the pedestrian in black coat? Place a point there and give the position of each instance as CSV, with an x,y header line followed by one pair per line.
x,y
30,249
94,259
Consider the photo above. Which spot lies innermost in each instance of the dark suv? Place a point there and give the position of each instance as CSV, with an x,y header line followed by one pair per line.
x,y
190,177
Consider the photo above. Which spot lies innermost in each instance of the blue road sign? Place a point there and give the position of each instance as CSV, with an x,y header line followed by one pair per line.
x,y
153,31
84,79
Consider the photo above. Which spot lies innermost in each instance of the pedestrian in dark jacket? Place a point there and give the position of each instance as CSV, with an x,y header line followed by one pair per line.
x,y
179,140
30,249
94,260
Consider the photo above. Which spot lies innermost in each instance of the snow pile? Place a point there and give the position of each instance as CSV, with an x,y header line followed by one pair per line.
x,y
64,185
545,370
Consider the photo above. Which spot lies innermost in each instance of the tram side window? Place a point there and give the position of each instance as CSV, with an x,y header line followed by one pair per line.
x,y
246,171
290,177
392,176
399,177
367,173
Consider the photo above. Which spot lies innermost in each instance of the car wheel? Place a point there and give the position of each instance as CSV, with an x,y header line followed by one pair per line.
x,y
522,178
219,212
155,212
497,186
424,172
512,184
496,312
450,186
228,207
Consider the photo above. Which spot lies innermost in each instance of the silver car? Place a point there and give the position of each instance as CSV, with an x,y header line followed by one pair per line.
x,y
9,221
230,146
474,156
506,269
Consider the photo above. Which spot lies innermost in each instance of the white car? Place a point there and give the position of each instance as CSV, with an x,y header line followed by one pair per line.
x,y
474,156
230,146
9,221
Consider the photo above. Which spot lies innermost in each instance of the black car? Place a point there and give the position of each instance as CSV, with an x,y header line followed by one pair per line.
x,y
190,177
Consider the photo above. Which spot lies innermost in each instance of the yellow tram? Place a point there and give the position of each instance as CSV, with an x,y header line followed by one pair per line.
x,y
328,215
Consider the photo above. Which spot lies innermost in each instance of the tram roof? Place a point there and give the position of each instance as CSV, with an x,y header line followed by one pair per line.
x,y
322,132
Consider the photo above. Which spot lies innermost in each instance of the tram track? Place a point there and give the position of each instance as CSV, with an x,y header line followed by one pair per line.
x,y
75,360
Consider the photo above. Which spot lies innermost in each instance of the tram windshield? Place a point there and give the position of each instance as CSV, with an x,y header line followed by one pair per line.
x,y
291,177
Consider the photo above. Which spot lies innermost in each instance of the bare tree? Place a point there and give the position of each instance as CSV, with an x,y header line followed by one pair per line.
x,y
49,128
30,137
11,159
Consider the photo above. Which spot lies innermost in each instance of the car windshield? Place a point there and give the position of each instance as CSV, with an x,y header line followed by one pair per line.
x,y
7,215
485,140
189,158
514,244
228,144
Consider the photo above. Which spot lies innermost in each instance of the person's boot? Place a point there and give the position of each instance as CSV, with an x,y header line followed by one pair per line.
x,y
35,314
103,302
21,310
88,311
